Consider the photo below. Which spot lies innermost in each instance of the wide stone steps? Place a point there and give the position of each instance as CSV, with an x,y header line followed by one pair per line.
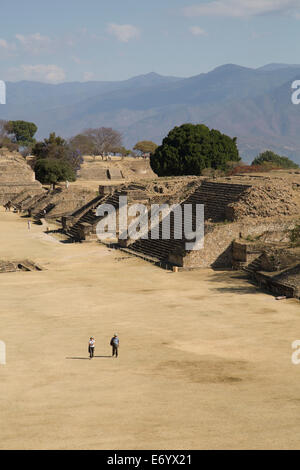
x,y
44,211
214,196
44,202
90,216
7,267
254,266
91,204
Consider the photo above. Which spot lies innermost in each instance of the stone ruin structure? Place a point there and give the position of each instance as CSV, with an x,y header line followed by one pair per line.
x,y
247,219
115,169
238,211
14,266
51,204
15,176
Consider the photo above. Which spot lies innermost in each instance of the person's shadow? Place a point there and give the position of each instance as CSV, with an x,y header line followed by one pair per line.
x,y
86,358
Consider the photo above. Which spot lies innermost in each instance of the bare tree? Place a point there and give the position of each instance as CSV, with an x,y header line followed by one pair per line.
x,y
83,143
104,139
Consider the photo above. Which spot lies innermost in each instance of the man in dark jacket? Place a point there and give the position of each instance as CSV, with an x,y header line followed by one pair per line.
x,y
114,342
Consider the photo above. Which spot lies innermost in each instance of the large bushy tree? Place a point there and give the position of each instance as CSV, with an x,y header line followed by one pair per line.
x,y
190,148
53,147
273,159
57,148
52,171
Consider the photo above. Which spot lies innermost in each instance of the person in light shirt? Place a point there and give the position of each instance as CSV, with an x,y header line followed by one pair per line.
x,y
92,346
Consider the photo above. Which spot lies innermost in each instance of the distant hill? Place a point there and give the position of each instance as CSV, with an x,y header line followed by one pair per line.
x,y
252,104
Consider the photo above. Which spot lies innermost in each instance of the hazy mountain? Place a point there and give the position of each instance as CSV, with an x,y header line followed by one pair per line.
x,y
252,104
275,66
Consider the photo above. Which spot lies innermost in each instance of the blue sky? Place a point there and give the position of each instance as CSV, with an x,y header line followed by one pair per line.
x,y
72,40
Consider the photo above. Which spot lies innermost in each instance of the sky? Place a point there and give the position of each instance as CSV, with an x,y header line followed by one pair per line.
x,y
81,40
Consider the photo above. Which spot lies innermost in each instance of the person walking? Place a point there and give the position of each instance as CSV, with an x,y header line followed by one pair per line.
x,y
115,343
92,347
29,224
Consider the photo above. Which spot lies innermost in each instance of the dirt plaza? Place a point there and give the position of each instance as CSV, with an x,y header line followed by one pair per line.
x,y
205,357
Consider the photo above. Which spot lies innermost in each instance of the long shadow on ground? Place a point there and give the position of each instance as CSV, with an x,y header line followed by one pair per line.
x,y
85,358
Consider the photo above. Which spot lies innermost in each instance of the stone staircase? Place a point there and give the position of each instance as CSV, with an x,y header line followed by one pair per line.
x,y
44,203
89,214
43,212
13,266
30,203
7,267
253,267
91,204
215,197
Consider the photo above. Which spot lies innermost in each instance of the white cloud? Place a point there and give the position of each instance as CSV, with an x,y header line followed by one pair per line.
x,y
76,59
87,76
123,32
240,8
35,43
197,31
6,46
41,72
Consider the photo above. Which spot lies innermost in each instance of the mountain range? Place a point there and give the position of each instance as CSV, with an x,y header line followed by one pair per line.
x,y
252,104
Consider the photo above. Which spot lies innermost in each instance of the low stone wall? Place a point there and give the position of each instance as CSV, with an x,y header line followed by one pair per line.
x,y
268,284
218,243
9,191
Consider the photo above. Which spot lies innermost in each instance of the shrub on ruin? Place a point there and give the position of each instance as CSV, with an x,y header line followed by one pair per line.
x,y
5,142
190,148
244,169
276,161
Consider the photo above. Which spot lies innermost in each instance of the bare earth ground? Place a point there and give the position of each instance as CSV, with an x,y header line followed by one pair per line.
x,y
205,358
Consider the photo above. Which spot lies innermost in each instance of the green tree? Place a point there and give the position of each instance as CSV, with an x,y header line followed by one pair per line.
x,y
145,146
53,147
190,148
21,132
52,171
57,148
5,141
273,159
